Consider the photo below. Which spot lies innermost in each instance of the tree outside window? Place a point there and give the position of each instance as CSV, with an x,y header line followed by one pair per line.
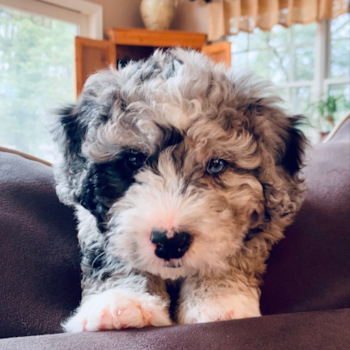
x,y
36,75
293,59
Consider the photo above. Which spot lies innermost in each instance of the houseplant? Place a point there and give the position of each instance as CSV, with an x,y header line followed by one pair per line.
x,y
325,107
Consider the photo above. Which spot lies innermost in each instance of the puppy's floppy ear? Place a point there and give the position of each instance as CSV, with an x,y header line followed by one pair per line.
x,y
295,143
69,132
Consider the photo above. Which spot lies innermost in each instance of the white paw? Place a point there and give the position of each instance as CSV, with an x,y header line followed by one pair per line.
x,y
114,309
216,309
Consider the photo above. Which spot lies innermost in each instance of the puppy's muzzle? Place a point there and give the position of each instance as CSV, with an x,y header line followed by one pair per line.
x,y
171,248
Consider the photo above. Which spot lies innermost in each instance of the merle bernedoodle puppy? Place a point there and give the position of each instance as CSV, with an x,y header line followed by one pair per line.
x,y
181,173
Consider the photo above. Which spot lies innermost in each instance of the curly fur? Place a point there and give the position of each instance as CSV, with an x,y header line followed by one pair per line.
x,y
180,111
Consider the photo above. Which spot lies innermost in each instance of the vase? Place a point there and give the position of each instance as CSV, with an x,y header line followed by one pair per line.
x,y
157,14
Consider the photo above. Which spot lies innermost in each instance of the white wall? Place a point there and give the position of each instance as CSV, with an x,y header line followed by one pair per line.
x,y
189,16
120,13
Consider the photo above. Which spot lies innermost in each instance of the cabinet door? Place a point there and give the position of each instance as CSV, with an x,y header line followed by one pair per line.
x,y
220,52
156,38
91,56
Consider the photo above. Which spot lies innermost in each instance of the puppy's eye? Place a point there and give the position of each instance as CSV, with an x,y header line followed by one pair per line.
x,y
135,161
216,166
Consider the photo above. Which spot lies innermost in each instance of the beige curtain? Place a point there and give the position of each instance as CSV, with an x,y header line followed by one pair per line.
x,y
227,17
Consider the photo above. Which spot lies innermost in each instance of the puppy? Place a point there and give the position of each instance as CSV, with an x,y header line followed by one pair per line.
x,y
179,172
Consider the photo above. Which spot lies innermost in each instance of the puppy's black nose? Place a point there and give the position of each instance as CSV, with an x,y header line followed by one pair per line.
x,y
171,248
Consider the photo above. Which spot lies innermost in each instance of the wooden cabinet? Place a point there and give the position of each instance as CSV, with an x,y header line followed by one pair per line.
x,y
220,52
156,38
135,44
91,56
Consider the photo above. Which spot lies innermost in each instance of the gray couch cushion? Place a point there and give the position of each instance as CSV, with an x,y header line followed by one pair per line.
x,y
326,330
39,266
309,270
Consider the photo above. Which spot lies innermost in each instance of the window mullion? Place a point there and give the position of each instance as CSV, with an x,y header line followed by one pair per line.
x,y
292,55
321,59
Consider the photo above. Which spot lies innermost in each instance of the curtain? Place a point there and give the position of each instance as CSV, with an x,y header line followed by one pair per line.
x,y
227,17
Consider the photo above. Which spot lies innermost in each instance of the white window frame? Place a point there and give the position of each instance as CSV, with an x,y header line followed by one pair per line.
x,y
324,34
86,15
319,85
321,82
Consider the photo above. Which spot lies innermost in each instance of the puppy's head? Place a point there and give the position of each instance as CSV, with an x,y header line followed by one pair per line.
x,y
181,163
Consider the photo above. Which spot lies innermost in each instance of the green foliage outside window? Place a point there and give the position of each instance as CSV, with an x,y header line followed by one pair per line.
x,y
287,56
36,75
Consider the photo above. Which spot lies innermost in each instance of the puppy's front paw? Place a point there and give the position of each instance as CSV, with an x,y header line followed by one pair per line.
x,y
116,310
218,309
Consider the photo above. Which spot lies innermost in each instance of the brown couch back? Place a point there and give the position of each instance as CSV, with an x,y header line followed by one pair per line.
x,y
39,266
310,269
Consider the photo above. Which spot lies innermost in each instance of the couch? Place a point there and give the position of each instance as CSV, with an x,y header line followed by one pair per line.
x,y
305,297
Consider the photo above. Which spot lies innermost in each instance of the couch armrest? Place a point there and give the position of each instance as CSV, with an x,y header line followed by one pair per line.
x,y
310,330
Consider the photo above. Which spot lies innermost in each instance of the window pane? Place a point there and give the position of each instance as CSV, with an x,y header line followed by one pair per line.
x,y
259,62
340,58
340,27
304,33
278,62
342,93
284,94
279,65
300,99
296,101
36,74
304,63
258,39
239,42
279,36
239,61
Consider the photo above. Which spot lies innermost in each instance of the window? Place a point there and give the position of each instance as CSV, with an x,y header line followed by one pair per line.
x,y
337,82
36,74
303,61
37,66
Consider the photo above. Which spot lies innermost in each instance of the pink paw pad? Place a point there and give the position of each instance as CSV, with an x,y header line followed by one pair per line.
x,y
84,323
229,315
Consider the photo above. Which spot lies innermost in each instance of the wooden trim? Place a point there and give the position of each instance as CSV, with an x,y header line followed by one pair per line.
x,y
223,48
113,54
80,43
24,155
156,38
